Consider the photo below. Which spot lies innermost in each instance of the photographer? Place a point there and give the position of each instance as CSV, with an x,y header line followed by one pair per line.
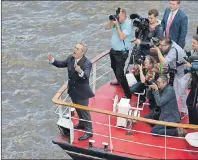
x,y
120,42
144,72
155,30
193,107
165,98
171,56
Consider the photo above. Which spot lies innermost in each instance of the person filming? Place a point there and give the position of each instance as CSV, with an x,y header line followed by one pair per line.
x,y
155,30
171,56
192,101
165,98
120,42
144,72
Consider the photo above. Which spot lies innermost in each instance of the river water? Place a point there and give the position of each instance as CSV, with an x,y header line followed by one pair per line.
x,y
30,30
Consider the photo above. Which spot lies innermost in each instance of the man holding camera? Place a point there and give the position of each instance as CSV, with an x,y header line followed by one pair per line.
x,y
165,98
120,42
191,101
155,30
79,68
175,23
171,56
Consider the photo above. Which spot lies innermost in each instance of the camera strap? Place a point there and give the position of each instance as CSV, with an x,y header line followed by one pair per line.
x,y
176,57
123,39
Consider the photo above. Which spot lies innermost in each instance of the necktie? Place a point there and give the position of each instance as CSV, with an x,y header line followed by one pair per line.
x,y
169,23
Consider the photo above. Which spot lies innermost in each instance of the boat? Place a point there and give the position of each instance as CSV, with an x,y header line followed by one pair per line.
x,y
117,134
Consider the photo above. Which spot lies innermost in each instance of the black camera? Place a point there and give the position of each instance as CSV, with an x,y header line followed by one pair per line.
x,y
194,61
116,16
140,22
172,73
140,60
150,82
155,41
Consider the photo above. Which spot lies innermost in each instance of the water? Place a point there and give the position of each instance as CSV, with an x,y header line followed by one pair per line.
x,y
30,30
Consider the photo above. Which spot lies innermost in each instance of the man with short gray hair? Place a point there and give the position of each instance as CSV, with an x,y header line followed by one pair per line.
x,y
79,68
165,98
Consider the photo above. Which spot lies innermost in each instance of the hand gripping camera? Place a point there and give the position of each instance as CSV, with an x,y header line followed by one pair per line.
x,y
116,16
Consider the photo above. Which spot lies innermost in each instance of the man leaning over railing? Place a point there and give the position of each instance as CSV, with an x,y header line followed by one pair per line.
x,y
79,68
165,98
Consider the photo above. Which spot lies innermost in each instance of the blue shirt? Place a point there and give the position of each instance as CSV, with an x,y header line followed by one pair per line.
x,y
118,44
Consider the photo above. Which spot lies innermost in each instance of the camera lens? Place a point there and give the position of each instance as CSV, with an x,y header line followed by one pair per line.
x,y
111,17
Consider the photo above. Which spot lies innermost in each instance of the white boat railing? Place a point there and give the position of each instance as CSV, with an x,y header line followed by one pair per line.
x,y
67,105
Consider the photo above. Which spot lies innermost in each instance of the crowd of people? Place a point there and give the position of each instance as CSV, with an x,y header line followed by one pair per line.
x,y
161,72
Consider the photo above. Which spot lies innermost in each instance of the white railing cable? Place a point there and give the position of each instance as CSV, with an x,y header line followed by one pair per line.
x,y
130,140
131,129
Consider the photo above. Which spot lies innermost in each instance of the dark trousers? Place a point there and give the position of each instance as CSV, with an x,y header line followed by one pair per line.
x,y
192,110
139,87
83,114
160,129
118,59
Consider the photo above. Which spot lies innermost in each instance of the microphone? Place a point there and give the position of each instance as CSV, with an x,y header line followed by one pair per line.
x,y
134,16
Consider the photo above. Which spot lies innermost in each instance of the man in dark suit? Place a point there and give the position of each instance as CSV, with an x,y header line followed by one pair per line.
x,y
79,68
175,23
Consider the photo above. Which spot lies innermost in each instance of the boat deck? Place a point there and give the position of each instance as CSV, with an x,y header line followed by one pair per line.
x,y
141,145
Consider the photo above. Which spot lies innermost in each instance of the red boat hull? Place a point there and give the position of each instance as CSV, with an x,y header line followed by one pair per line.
x,y
142,145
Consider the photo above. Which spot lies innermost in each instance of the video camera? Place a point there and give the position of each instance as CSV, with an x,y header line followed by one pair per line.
x,y
114,17
194,61
141,23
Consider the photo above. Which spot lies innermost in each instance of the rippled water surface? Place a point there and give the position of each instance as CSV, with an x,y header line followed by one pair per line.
x,y
30,30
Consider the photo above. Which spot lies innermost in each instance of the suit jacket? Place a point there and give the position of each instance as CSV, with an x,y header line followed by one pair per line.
x,y
78,87
178,28
166,100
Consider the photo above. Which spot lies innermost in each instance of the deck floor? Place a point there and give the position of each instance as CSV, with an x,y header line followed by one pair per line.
x,y
142,146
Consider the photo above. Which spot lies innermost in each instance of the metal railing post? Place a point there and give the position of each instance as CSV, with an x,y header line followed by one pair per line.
x,y
110,139
165,143
60,110
94,78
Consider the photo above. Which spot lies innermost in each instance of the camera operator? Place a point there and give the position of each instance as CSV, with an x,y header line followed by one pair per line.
x,y
172,58
155,30
120,42
145,72
165,98
193,110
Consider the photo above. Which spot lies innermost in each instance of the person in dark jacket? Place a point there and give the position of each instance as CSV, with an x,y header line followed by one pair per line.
x,y
165,98
175,23
79,68
155,30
